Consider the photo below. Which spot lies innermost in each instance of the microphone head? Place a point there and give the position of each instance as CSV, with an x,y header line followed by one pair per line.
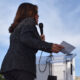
x,y
40,25
41,28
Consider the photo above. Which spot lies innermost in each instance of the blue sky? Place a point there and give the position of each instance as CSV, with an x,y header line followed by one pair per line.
x,y
61,20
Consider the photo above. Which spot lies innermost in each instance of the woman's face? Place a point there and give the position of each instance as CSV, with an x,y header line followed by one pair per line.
x,y
36,18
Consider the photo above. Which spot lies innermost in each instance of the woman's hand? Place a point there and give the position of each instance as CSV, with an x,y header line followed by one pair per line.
x,y
57,48
42,37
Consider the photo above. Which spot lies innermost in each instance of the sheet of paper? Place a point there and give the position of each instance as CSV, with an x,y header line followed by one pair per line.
x,y
68,48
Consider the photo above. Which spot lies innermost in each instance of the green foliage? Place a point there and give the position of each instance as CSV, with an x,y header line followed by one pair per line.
x,y
1,77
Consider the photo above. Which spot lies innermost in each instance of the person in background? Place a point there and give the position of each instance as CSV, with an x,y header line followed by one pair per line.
x,y
20,61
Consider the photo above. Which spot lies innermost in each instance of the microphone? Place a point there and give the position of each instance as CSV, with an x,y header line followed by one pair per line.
x,y
41,28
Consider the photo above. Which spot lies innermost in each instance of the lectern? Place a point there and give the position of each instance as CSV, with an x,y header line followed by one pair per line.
x,y
59,66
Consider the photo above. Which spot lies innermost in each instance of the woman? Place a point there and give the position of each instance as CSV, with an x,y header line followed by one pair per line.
x,y
19,62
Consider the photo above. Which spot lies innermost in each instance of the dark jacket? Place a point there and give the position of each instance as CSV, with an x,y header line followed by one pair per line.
x,y
24,43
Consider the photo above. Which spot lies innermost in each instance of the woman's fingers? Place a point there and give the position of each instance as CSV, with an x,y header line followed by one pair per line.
x,y
43,37
56,48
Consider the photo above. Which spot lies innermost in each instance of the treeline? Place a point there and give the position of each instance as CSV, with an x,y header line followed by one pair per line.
x,y
1,77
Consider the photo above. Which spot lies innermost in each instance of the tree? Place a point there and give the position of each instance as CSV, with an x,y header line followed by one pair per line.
x,y
1,77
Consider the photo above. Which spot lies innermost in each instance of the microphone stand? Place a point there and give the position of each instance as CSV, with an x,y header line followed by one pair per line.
x,y
50,76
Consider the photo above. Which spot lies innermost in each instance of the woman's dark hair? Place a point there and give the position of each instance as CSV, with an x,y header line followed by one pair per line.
x,y
25,10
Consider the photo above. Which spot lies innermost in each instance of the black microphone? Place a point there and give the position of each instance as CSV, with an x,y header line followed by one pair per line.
x,y
41,28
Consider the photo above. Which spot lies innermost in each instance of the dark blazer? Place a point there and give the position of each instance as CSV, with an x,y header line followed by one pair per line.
x,y
24,43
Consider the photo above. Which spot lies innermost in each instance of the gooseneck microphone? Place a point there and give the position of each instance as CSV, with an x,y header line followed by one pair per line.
x,y
41,28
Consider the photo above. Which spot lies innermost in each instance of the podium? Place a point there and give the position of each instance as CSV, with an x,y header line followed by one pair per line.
x,y
61,66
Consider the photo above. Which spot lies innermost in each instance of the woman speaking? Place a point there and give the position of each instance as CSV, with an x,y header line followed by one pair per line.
x,y
19,63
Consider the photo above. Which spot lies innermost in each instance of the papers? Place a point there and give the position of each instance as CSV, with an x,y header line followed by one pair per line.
x,y
68,48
